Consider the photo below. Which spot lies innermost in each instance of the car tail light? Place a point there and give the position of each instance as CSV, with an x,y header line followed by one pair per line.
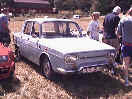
x,y
11,55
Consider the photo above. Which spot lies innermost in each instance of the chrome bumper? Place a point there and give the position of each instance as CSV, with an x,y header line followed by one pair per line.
x,y
79,70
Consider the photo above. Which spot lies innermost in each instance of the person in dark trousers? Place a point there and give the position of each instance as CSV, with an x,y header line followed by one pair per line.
x,y
124,30
110,24
4,29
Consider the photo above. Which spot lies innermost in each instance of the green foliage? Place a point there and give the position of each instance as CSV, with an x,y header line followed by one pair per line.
x,y
4,3
104,6
73,4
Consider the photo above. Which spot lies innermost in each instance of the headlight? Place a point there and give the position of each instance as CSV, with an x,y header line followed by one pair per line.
x,y
111,54
3,58
70,59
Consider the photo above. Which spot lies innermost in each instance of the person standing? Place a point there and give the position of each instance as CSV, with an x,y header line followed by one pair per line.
x,y
124,30
110,24
93,27
4,29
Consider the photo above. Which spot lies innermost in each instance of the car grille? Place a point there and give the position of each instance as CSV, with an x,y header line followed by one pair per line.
x,y
87,57
4,70
92,61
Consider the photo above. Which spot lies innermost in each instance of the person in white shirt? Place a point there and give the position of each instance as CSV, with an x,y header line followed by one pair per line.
x,y
93,27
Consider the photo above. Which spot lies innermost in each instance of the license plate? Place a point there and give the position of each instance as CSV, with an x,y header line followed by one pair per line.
x,y
91,69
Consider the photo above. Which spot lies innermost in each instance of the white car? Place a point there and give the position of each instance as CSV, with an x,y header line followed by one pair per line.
x,y
58,46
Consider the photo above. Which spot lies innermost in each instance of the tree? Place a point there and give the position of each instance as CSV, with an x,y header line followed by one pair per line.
x,y
6,3
125,5
52,3
104,6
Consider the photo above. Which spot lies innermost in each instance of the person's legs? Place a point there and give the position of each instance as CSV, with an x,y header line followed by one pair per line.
x,y
126,53
115,43
126,62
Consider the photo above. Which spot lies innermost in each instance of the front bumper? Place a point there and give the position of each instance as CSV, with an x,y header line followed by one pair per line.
x,y
6,69
81,69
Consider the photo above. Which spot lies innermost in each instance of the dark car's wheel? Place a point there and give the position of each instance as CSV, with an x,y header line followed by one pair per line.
x,y
18,55
47,69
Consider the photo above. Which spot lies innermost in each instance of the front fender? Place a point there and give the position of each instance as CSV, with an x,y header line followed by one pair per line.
x,y
55,60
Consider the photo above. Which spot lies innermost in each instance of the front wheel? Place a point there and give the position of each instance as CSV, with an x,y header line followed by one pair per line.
x,y
47,69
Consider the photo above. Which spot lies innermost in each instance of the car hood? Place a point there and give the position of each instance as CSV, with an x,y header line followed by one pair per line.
x,y
69,45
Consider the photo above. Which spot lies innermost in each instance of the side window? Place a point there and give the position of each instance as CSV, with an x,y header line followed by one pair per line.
x,y
27,28
73,27
35,30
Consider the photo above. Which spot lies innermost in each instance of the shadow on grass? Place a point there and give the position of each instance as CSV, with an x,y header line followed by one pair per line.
x,y
9,85
87,86
94,85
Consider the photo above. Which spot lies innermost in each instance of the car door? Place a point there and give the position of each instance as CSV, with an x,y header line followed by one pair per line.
x,y
25,39
33,43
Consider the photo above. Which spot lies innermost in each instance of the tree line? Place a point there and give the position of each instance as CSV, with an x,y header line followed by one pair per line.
x,y
104,6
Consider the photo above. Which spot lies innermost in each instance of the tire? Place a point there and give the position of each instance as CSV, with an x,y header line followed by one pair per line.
x,y
46,69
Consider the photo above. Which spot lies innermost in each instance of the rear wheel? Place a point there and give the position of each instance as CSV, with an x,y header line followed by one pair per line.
x,y
46,68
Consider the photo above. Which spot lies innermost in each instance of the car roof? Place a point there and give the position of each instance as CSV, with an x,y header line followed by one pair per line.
x,y
41,20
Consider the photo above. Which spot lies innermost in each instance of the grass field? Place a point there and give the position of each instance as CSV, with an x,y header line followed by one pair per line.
x,y
30,84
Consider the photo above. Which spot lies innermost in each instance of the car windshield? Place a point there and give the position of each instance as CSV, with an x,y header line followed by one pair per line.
x,y
60,29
